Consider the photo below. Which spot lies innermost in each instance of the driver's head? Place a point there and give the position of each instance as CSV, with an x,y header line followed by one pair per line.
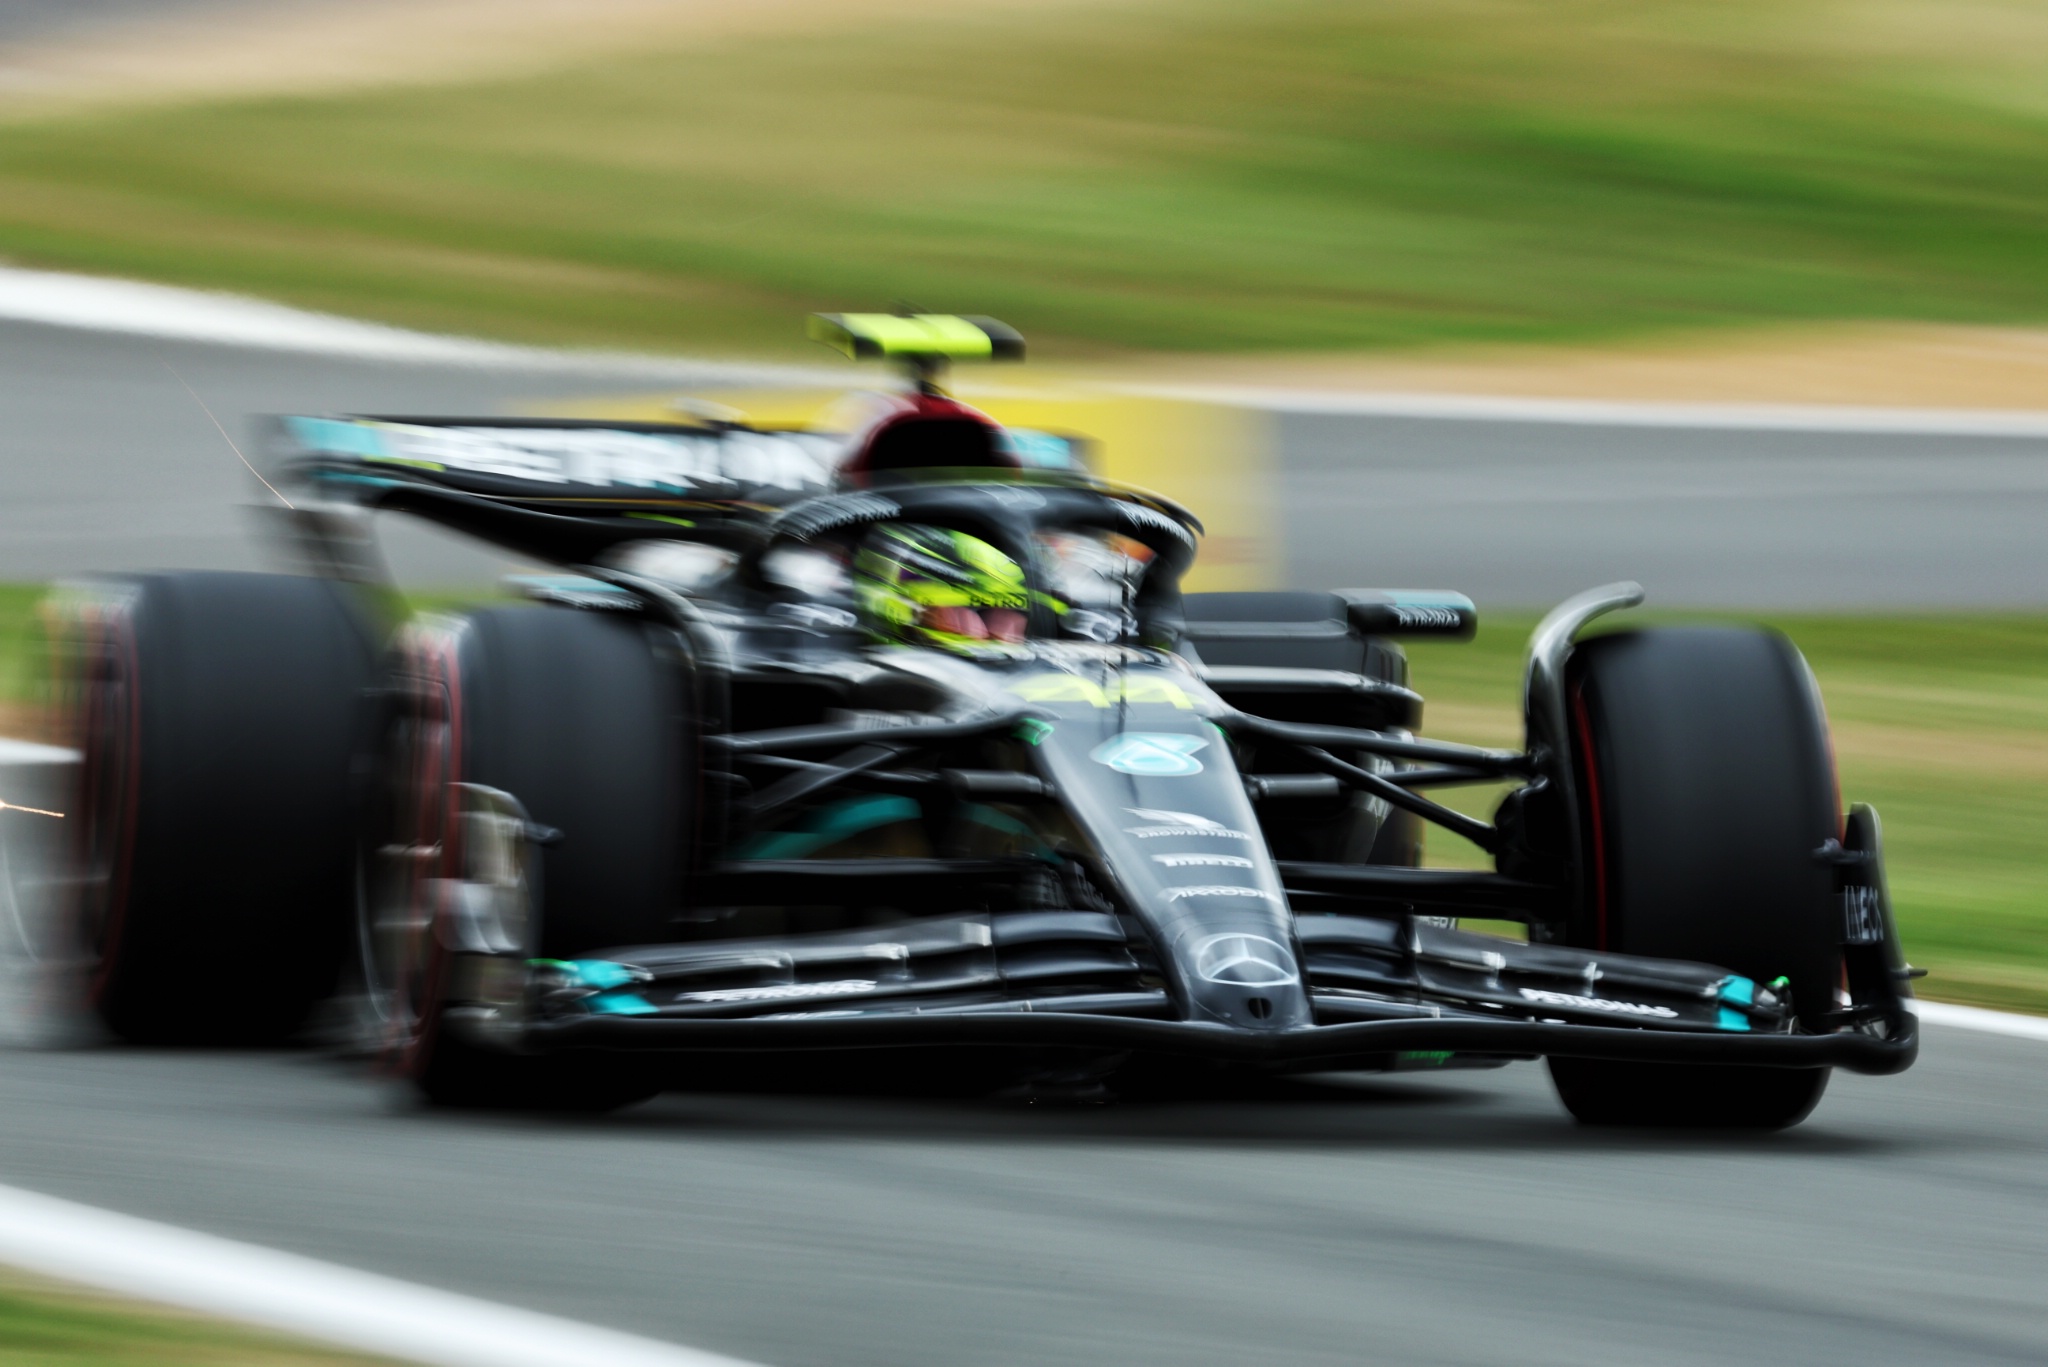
x,y
921,585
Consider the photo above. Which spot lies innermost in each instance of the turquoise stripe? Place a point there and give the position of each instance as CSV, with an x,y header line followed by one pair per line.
x,y
621,1004
830,826
600,973
331,437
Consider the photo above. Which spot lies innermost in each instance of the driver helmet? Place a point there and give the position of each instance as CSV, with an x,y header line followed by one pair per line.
x,y
914,432
919,585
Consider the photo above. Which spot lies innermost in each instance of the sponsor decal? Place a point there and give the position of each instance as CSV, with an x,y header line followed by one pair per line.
x,y
1218,890
1151,754
1177,823
1154,832
1244,961
1131,688
780,992
1543,998
1428,617
1186,861
587,456
1862,916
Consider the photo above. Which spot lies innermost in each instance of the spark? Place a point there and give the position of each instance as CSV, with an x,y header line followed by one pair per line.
x,y
6,806
223,432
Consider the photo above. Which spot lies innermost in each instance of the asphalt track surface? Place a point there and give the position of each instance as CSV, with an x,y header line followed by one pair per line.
x,y
1450,1219
1458,1219
1525,514
107,462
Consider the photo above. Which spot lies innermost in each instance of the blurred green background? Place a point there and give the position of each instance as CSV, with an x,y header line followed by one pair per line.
x,y
1137,174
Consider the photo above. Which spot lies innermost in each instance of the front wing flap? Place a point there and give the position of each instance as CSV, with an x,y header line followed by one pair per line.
x,y
1382,988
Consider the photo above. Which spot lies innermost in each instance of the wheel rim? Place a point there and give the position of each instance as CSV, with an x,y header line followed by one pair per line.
x,y
105,705
402,857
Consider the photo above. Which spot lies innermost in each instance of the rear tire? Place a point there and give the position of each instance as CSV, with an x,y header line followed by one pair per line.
x,y
1705,787
584,720
215,714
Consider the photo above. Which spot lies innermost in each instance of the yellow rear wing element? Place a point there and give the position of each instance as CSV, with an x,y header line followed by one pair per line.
x,y
923,339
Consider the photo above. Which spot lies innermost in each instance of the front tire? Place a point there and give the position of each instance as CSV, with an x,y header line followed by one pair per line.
x,y
1706,789
585,721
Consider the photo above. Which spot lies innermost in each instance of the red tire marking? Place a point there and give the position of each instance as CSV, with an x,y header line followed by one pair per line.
x,y
119,641
1596,820
438,771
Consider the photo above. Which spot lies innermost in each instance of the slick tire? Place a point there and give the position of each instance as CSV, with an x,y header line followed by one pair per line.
x,y
1706,787
583,718
215,715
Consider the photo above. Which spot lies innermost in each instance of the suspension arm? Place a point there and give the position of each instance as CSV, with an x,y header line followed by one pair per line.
x,y
1491,763
1481,833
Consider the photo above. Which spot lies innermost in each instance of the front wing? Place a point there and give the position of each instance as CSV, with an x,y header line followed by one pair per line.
x,y
1386,993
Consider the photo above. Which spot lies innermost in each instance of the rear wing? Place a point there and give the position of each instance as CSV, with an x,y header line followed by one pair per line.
x,y
917,336
566,489
560,489
922,343
561,460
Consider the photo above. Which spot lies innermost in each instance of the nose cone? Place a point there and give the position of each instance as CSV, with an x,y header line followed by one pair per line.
x,y
1157,789
1248,980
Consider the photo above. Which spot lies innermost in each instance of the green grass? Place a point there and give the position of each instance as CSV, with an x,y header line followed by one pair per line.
x,y
21,644
1940,722
1170,174
44,1325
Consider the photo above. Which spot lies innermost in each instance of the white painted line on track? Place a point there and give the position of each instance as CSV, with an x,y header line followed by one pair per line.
x,y
1961,422
139,308
14,751
305,1297
1977,1018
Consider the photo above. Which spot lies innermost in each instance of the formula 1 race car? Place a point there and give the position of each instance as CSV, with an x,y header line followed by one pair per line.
x,y
905,751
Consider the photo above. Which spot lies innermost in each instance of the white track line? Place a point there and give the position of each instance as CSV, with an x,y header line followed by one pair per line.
x,y
302,1296
1621,413
14,752
135,307
1977,1018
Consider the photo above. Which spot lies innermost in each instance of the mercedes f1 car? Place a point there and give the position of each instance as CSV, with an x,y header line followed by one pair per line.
x,y
906,751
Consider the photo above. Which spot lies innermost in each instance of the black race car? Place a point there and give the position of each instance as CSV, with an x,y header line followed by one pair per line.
x,y
906,755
